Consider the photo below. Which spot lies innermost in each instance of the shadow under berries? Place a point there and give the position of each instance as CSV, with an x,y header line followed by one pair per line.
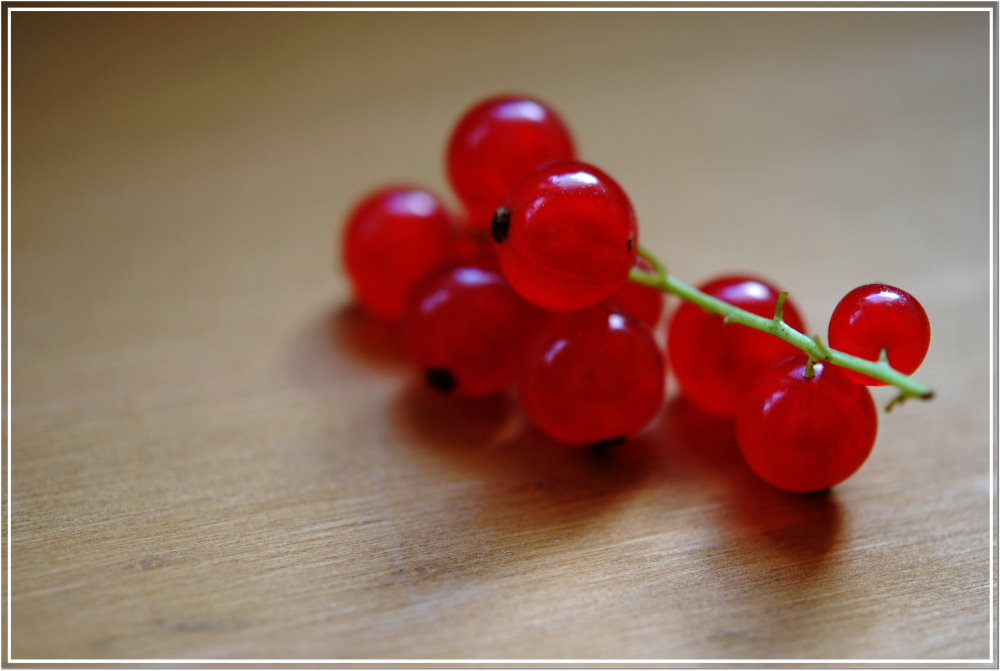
x,y
767,554
785,542
702,447
799,526
338,335
376,343
522,479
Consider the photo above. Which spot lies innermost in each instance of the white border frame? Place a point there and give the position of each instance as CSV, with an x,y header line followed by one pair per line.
x,y
953,663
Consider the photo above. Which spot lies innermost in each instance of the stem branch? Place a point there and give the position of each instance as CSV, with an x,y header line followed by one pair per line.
x,y
776,326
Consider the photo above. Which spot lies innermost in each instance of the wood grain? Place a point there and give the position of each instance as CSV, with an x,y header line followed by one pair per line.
x,y
216,456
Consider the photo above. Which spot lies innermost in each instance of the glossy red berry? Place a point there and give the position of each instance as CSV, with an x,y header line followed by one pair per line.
x,y
497,142
715,362
641,300
593,376
467,330
874,317
470,245
392,238
804,434
566,236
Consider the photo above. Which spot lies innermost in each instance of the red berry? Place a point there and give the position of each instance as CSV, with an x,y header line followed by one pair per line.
x,y
496,143
469,245
641,300
715,362
566,237
876,317
394,237
467,329
804,434
593,376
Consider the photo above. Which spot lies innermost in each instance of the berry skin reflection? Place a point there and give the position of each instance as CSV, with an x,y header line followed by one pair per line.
x,y
566,236
715,362
495,144
593,376
874,317
393,238
467,329
806,433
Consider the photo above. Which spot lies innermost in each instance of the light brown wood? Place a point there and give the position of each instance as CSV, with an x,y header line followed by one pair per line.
x,y
216,456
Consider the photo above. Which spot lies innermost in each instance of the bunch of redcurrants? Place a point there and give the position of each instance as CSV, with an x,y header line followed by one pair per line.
x,y
530,288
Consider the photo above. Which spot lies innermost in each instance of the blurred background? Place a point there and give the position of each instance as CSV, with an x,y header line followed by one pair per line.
x,y
215,455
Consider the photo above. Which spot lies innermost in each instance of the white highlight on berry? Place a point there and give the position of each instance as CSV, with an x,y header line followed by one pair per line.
x,y
521,109
553,351
616,322
475,276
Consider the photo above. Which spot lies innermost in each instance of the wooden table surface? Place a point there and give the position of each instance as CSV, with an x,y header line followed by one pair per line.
x,y
214,455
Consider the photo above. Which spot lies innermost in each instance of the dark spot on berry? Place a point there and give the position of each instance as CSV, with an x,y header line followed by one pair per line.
x,y
603,447
630,243
500,226
441,379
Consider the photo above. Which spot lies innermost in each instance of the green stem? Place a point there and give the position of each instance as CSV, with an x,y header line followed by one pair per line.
x,y
776,326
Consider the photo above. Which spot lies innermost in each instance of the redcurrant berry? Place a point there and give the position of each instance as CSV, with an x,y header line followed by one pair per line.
x,y
467,330
566,236
874,317
470,245
803,433
641,300
593,376
496,143
394,237
715,361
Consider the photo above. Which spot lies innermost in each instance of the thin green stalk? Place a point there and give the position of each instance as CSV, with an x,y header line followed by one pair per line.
x,y
776,326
